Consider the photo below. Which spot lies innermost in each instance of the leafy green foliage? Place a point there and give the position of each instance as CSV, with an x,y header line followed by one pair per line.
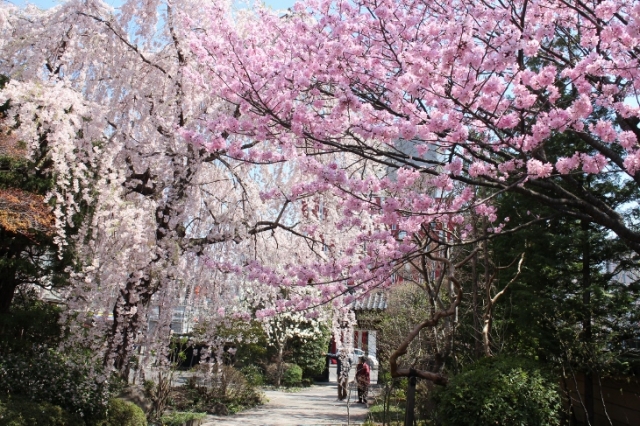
x,y
32,369
380,413
30,321
43,374
307,353
19,411
499,391
557,313
253,374
292,375
124,413
222,391
253,348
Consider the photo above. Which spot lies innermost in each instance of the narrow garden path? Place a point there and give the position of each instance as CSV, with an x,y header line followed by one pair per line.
x,y
316,405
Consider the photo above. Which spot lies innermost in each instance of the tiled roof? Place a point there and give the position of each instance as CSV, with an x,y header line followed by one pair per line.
x,y
371,302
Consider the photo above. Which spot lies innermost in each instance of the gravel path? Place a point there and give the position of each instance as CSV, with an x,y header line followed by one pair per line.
x,y
316,405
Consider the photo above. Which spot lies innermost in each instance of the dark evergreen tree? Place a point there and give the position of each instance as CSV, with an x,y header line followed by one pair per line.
x,y
574,305
28,252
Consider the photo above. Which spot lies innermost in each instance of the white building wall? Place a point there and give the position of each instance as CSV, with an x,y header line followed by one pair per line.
x,y
371,344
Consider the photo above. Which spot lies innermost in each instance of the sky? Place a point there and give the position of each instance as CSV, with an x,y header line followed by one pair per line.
x,y
45,4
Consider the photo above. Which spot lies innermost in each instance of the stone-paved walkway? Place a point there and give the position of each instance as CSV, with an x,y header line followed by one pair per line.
x,y
317,405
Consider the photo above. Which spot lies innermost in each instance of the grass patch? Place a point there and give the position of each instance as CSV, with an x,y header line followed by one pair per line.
x,y
178,418
377,413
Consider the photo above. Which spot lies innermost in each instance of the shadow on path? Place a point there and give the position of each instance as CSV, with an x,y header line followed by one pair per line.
x,y
316,405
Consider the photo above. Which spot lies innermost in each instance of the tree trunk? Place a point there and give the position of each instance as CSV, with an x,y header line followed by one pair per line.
x,y
451,310
127,320
586,319
279,362
476,307
7,290
487,318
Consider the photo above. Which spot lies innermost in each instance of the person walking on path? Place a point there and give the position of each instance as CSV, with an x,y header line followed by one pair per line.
x,y
363,378
344,365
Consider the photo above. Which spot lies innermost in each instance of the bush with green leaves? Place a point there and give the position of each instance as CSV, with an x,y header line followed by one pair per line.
x,y
292,375
499,391
307,353
29,322
124,413
19,411
253,374
44,374
30,367
220,390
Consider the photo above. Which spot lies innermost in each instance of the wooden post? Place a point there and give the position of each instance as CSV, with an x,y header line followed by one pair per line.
x,y
411,399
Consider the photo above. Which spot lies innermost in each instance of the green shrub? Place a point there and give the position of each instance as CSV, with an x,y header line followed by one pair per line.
x,y
253,374
18,411
308,352
499,391
44,374
31,369
124,413
29,322
254,346
222,391
292,375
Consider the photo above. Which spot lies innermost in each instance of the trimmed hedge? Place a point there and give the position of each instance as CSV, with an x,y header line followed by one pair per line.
x,y
124,413
292,375
499,391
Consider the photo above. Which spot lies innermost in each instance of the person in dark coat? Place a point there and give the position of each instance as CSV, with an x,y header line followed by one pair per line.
x,y
344,365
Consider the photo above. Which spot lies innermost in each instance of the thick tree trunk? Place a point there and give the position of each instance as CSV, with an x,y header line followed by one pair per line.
x,y
8,285
486,332
127,320
279,362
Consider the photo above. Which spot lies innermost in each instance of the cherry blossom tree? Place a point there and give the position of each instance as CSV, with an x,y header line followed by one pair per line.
x,y
284,149
490,87
467,99
164,213
104,95
282,328
116,117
